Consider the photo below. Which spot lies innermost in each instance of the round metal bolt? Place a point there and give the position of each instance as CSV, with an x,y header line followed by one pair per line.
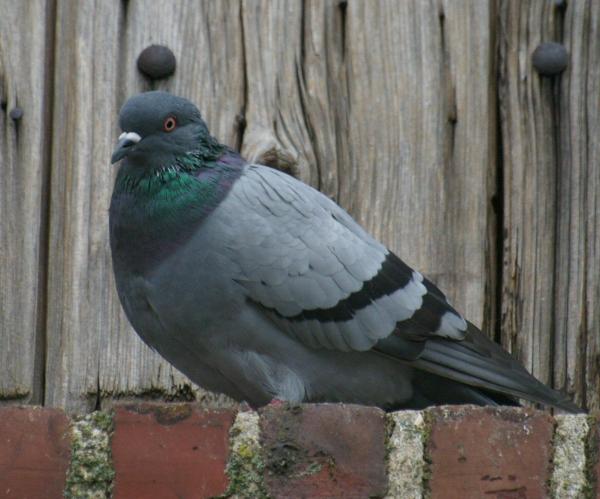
x,y
156,62
16,113
550,58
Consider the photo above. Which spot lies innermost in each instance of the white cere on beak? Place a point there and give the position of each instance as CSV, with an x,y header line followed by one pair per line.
x,y
132,136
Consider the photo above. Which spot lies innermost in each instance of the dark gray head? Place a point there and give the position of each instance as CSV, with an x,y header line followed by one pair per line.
x,y
157,127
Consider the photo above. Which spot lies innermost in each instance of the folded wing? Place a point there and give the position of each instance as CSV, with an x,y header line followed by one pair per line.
x,y
325,281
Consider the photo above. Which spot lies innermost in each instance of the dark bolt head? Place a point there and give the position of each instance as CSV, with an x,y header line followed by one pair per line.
x,y
16,113
156,62
550,58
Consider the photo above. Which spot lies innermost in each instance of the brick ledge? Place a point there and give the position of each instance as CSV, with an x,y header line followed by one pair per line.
x,y
323,450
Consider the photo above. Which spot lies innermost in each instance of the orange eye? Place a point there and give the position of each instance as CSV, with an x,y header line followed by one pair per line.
x,y
169,124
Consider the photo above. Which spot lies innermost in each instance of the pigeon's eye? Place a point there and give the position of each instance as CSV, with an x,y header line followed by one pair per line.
x,y
169,124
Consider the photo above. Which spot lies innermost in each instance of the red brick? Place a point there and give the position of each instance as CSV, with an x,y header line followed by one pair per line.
x,y
325,450
497,453
170,450
34,452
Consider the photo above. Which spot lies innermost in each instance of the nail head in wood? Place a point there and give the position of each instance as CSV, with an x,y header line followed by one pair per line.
x,y
550,58
16,113
157,62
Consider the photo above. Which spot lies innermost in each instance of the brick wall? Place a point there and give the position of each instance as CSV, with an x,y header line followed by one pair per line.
x,y
150,450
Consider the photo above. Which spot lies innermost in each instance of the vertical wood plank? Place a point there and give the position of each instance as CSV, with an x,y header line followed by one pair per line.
x,y
296,97
592,214
550,286
24,71
577,291
80,292
420,139
529,155
277,132
92,350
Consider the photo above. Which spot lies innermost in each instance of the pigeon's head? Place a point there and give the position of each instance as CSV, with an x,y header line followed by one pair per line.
x,y
158,127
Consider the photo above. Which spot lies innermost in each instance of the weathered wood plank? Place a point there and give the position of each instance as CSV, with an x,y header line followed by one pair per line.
x,y
526,106
376,103
550,296
592,215
91,347
577,293
296,100
420,141
24,69
277,129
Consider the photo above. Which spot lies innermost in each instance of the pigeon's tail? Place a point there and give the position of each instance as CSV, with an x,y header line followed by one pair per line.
x,y
479,362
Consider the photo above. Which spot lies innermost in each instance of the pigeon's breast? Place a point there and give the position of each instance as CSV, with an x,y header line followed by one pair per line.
x,y
197,282
153,221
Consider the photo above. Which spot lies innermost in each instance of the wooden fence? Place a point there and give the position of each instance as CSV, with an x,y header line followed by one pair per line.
x,y
425,119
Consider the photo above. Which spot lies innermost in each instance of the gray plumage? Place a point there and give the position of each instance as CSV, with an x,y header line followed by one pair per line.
x,y
260,287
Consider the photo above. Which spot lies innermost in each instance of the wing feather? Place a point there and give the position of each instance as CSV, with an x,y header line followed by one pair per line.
x,y
315,270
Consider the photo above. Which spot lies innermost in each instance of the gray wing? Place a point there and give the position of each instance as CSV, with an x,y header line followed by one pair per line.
x,y
316,272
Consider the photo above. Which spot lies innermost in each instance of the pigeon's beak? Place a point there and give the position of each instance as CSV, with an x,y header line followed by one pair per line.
x,y
126,141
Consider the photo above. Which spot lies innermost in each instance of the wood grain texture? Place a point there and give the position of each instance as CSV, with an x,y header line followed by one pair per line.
x,y
577,292
529,149
82,313
296,103
420,138
550,296
413,115
24,69
92,350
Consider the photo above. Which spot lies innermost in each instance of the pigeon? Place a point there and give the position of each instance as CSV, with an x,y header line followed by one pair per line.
x,y
255,285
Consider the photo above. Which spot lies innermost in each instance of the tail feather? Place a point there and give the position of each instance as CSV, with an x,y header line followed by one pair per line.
x,y
478,361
